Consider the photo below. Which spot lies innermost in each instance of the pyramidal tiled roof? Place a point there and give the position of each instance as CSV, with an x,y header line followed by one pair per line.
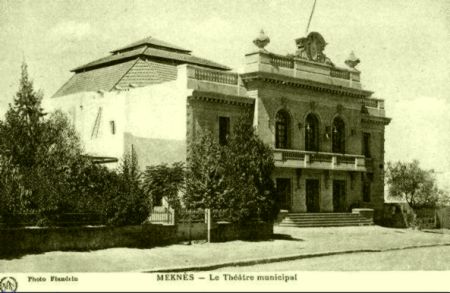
x,y
151,42
141,63
104,79
151,47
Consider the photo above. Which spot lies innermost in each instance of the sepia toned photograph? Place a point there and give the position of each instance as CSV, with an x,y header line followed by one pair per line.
x,y
224,145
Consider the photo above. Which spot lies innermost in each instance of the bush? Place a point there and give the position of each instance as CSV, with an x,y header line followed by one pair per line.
x,y
129,205
163,181
38,153
235,177
44,173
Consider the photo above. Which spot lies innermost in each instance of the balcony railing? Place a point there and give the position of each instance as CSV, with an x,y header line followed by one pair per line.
x,y
319,160
288,62
339,74
281,61
374,103
303,69
216,76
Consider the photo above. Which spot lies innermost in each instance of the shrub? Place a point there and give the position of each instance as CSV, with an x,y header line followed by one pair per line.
x,y
163,181
235,177
130,205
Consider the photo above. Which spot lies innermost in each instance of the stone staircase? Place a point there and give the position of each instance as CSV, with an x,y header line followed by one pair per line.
x,y
324,220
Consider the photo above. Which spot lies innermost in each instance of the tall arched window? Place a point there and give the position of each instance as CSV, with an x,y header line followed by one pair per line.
x,y
282,130
312,133
338,135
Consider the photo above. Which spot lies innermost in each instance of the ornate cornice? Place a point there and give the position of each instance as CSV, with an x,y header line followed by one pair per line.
x,y
215,97
304,83
375,119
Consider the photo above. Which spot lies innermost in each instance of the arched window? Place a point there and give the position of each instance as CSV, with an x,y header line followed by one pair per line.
x,y
338,135
282,130
312,133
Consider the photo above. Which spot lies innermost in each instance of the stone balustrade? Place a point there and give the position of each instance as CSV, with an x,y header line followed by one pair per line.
x,y
318,160
374,103
301,68
211,75
212,80
339,73
282,61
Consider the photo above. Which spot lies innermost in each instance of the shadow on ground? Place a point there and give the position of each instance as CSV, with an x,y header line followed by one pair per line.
x,y
277,236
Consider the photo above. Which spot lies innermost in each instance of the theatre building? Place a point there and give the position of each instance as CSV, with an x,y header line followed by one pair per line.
x,y
326,130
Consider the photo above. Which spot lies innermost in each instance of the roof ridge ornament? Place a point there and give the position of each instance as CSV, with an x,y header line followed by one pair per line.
x,y
261,41
351,60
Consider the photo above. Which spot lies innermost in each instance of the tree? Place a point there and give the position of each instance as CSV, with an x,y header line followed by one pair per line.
x,y
417,186
205,183
163,181
249,165
235,177
22,129
43,170
130,205
38,155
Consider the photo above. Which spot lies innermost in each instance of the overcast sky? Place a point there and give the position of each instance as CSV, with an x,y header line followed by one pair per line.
x,y
403,46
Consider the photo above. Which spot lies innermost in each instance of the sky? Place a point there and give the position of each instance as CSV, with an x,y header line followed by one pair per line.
x,y
403,47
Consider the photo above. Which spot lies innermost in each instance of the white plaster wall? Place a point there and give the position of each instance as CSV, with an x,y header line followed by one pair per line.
x,y
151,112
83,108
158,111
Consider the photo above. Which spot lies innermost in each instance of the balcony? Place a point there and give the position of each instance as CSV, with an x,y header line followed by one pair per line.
x,y
318,160
374,106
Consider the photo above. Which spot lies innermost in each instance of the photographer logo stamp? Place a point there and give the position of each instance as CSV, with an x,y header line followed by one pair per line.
x,y
8,284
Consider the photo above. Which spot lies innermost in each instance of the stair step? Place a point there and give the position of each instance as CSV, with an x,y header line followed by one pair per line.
x,y
327,217
324,220
324,225
312,222
323,215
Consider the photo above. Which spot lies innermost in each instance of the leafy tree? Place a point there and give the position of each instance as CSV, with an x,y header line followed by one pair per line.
x,y
130,205
39,154
205,177
249,165
22,129
163,181
43,170
235,177
417,186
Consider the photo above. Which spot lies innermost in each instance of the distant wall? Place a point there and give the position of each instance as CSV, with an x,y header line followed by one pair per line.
x,y
443,217
426,218
37,240
25,240
396,215
400,215
194,231
222,232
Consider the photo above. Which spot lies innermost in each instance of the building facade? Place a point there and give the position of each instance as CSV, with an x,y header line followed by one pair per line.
x,y
327,132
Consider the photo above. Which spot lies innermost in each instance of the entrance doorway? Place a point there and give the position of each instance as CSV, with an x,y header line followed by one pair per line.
x,y
339,196
312,196
284,193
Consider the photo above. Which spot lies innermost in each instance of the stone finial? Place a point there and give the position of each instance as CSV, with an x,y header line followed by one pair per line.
x,y
351,60
262,40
